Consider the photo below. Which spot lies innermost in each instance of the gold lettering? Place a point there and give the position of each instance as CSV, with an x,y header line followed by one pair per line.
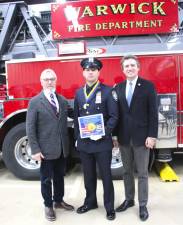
x,y
124,25
111,25
140,8
79,28
101,10
132,8
131,24
117,26
87,12
98,26
139,24
104,26
70,28
159,22
153,23
119,9
146,23
157,9
87,27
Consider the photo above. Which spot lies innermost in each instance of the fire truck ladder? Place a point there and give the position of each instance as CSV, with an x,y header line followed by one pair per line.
x,y
7,30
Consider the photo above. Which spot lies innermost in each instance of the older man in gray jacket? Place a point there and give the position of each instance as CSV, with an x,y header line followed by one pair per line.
x,y
48,138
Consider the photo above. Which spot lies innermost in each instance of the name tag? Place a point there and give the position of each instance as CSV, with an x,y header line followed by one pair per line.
x,y
98,99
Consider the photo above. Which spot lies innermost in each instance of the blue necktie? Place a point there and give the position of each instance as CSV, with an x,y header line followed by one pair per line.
x,y
130,93
53,103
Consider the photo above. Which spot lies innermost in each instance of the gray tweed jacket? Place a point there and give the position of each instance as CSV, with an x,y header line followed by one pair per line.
x,y
46,132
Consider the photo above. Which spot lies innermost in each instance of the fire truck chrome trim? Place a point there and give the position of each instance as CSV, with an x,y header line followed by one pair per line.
x,y
23,153
1,110
11,115
86,56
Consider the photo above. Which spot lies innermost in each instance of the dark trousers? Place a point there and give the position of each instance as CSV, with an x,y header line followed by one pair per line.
x,y
52,174
135,156
103,160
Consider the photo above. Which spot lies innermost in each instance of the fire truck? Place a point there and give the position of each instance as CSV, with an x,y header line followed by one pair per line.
x,y
27,47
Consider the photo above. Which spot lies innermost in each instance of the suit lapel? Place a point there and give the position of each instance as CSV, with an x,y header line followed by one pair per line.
x,y
123,94
136,90
135,93
46,104
61,106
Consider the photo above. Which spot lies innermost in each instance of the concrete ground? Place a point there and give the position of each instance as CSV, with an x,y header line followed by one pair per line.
x,y
21,203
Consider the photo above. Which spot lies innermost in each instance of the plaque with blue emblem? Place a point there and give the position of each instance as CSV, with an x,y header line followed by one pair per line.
x,y
91,125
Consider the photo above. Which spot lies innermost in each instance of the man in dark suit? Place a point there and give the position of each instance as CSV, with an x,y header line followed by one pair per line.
x,y
137,131
96,98
48,138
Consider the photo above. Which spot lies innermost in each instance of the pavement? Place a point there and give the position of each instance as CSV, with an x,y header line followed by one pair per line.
x,y
21,202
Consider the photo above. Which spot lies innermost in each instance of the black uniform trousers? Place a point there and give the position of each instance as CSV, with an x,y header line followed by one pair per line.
x,y
103,160
52,174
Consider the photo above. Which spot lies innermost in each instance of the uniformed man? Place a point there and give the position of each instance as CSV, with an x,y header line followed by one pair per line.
x,y
96,98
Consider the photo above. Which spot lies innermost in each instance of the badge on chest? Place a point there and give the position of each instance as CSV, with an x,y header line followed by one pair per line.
x,y
85,106
98,99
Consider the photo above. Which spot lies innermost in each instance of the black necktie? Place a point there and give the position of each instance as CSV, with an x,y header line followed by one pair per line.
x,y
89,88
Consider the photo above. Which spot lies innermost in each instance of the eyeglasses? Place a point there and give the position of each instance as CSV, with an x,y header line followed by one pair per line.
x,y
49,79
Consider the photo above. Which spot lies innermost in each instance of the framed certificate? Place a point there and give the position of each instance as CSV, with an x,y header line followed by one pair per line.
x,y
91,125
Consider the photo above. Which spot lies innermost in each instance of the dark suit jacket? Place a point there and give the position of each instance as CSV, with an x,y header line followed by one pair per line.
x,y
140,120
46,132
108,107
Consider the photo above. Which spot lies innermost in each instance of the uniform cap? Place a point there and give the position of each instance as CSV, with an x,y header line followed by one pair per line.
x,y
91,63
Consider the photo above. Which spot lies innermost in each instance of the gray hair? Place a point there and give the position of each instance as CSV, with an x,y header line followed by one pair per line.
x,y
47,71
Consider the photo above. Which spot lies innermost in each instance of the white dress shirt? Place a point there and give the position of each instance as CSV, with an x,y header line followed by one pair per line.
x,y
133,85
47,94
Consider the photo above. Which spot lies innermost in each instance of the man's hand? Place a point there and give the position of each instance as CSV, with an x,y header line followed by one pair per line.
x,y
150,142
95,137
38,156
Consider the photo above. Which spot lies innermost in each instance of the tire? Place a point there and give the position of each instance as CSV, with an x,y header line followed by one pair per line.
x,y
17,154
116,165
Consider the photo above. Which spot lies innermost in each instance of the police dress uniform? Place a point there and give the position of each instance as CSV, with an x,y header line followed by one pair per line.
x,y
88,101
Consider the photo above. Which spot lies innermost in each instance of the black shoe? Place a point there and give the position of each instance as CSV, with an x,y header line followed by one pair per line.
x,y
85,208
143,213
50,214
111,215
125,205
63,205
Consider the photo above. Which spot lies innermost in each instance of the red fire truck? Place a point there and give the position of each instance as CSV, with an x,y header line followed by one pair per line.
x,y
26,48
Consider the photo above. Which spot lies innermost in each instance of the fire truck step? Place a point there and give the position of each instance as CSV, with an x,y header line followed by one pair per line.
x,y
165,172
